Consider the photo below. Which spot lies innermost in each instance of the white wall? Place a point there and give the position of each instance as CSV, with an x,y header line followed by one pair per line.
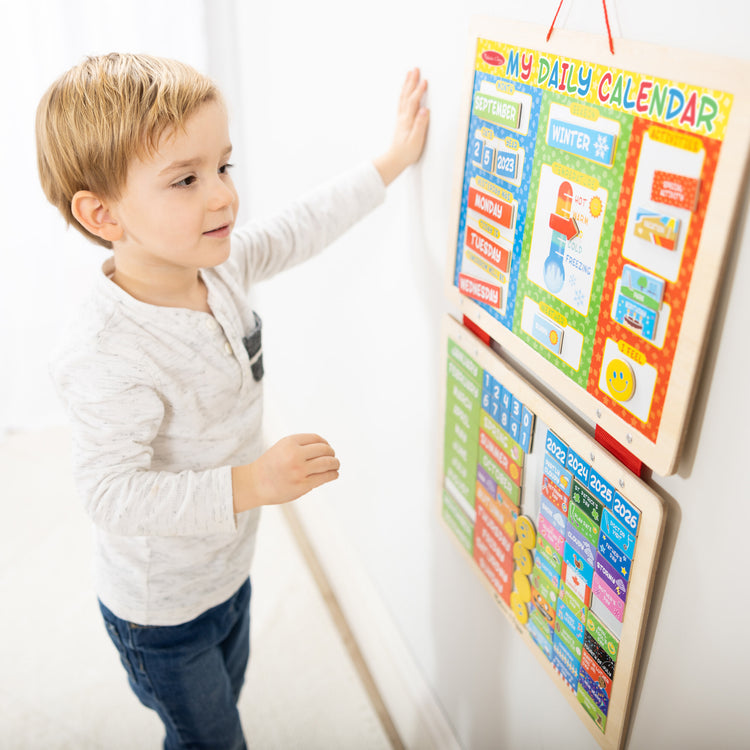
x,y
44,268
351,351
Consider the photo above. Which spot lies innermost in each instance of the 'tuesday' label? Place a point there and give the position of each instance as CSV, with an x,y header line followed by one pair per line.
x,y
492,252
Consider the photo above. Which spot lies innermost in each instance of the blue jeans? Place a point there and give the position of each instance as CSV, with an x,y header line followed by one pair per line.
x,y
190,674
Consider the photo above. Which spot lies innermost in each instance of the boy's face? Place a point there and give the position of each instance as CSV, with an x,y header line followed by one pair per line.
x,y
179,205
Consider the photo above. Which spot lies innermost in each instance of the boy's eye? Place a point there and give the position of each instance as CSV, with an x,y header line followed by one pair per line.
x,y
186,182
190,179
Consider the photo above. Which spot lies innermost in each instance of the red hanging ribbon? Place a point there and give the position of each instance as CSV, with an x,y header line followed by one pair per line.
x,y
609,31
606,21
549,33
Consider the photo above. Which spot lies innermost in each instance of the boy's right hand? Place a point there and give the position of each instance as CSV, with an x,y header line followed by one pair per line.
x,y
287,470
409,136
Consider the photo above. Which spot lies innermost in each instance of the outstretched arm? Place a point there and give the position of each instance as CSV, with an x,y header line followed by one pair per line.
x,y
411,129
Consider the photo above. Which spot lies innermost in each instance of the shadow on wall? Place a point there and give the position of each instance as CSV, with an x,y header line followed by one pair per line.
x,y
723,297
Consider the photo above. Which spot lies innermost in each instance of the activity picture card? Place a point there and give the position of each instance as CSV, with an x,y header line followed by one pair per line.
x,y
565,539
594,195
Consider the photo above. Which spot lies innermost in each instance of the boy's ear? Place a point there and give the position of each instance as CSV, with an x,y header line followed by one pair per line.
x,y
94,215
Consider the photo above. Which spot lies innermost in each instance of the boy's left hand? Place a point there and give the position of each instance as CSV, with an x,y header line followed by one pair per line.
x,y
411,129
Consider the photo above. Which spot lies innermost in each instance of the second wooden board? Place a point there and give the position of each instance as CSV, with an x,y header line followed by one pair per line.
x,y
564,538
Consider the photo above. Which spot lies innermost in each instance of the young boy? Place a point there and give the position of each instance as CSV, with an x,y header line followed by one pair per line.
x,y
162,372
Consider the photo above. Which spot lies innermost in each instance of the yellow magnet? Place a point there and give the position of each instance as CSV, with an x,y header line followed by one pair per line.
x,y
520,610
526,532
523,558
523,587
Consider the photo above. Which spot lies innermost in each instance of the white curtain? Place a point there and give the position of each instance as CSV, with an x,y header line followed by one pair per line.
x,y
45,268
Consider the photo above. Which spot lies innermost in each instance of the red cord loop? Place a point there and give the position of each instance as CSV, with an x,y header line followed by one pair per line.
x,y
609,31
606,21
549,33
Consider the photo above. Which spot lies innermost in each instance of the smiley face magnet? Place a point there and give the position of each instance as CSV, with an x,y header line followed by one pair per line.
x,y
620,380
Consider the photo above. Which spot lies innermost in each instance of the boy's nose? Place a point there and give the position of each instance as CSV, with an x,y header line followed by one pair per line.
x,y
222,195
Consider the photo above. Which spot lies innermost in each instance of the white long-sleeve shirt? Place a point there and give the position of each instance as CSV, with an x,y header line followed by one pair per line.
x,y
163,402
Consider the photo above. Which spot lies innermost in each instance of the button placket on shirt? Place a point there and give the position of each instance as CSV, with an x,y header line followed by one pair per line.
x,y
212,324
232,340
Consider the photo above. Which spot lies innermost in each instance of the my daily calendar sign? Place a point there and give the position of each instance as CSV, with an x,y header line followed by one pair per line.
x,y
595,196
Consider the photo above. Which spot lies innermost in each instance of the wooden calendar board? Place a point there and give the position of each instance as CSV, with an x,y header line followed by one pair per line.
x,y
594,198
564,537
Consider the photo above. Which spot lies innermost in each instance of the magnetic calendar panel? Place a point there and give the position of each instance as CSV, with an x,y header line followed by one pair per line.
x,y
563,537
594,197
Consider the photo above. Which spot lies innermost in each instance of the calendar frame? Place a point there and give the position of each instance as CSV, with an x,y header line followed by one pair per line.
x,y
661,451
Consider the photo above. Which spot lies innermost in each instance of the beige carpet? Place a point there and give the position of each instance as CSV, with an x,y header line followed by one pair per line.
x,y
61,684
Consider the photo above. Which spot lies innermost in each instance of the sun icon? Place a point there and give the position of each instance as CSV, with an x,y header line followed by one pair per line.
x,y
595,207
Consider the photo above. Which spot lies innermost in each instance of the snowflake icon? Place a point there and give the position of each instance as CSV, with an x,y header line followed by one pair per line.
x,y
601,147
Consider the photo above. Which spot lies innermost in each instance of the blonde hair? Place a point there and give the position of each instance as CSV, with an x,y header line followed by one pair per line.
x,y
100,114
